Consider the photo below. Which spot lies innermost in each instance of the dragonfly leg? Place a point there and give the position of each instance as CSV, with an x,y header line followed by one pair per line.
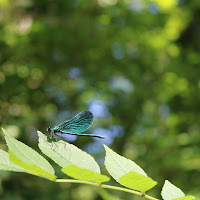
x,y
51,134
64,140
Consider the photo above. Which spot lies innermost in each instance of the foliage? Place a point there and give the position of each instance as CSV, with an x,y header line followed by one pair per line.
x,y
133,63
24,159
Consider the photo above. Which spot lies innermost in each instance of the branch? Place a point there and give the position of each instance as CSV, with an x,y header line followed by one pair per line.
x,y
105,186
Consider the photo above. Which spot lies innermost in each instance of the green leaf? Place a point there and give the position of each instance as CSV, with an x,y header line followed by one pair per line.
x,y
28,158
5,163
65,154
170,191
75,162
85,174
35,170
185,198
137,182
120,167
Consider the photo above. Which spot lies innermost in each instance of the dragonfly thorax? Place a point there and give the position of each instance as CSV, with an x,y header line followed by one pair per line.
x,y
55,128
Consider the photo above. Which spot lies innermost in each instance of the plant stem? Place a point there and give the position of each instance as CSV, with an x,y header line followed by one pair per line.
x,y
75,181
106,186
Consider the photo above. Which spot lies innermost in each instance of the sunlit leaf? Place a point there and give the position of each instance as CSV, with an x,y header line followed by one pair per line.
x,y
185,198
6,164
137,182
75,162
85,174
127,172
65,154
28,158
33,169
170,191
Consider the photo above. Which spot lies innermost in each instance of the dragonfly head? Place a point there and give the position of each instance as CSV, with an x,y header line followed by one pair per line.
x,y
48,129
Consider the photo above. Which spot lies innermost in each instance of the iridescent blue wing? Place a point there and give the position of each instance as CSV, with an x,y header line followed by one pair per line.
x,y
79,123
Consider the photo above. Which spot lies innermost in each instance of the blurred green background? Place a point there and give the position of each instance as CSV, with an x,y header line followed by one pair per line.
x,y
133,63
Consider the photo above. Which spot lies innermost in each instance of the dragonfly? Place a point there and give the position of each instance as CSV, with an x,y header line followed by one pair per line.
x,y
75,126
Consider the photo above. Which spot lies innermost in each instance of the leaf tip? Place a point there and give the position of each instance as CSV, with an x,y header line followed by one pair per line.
x,y
4,131
39,133
106,147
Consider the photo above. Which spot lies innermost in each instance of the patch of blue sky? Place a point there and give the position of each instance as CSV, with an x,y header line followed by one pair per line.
x,y
136,5
119,82
67,137
164,110
98,108
74,72
109,134
117,51
154,8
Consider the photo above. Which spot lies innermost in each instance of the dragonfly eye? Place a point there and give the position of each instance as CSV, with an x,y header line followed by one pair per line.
x,y
48,129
